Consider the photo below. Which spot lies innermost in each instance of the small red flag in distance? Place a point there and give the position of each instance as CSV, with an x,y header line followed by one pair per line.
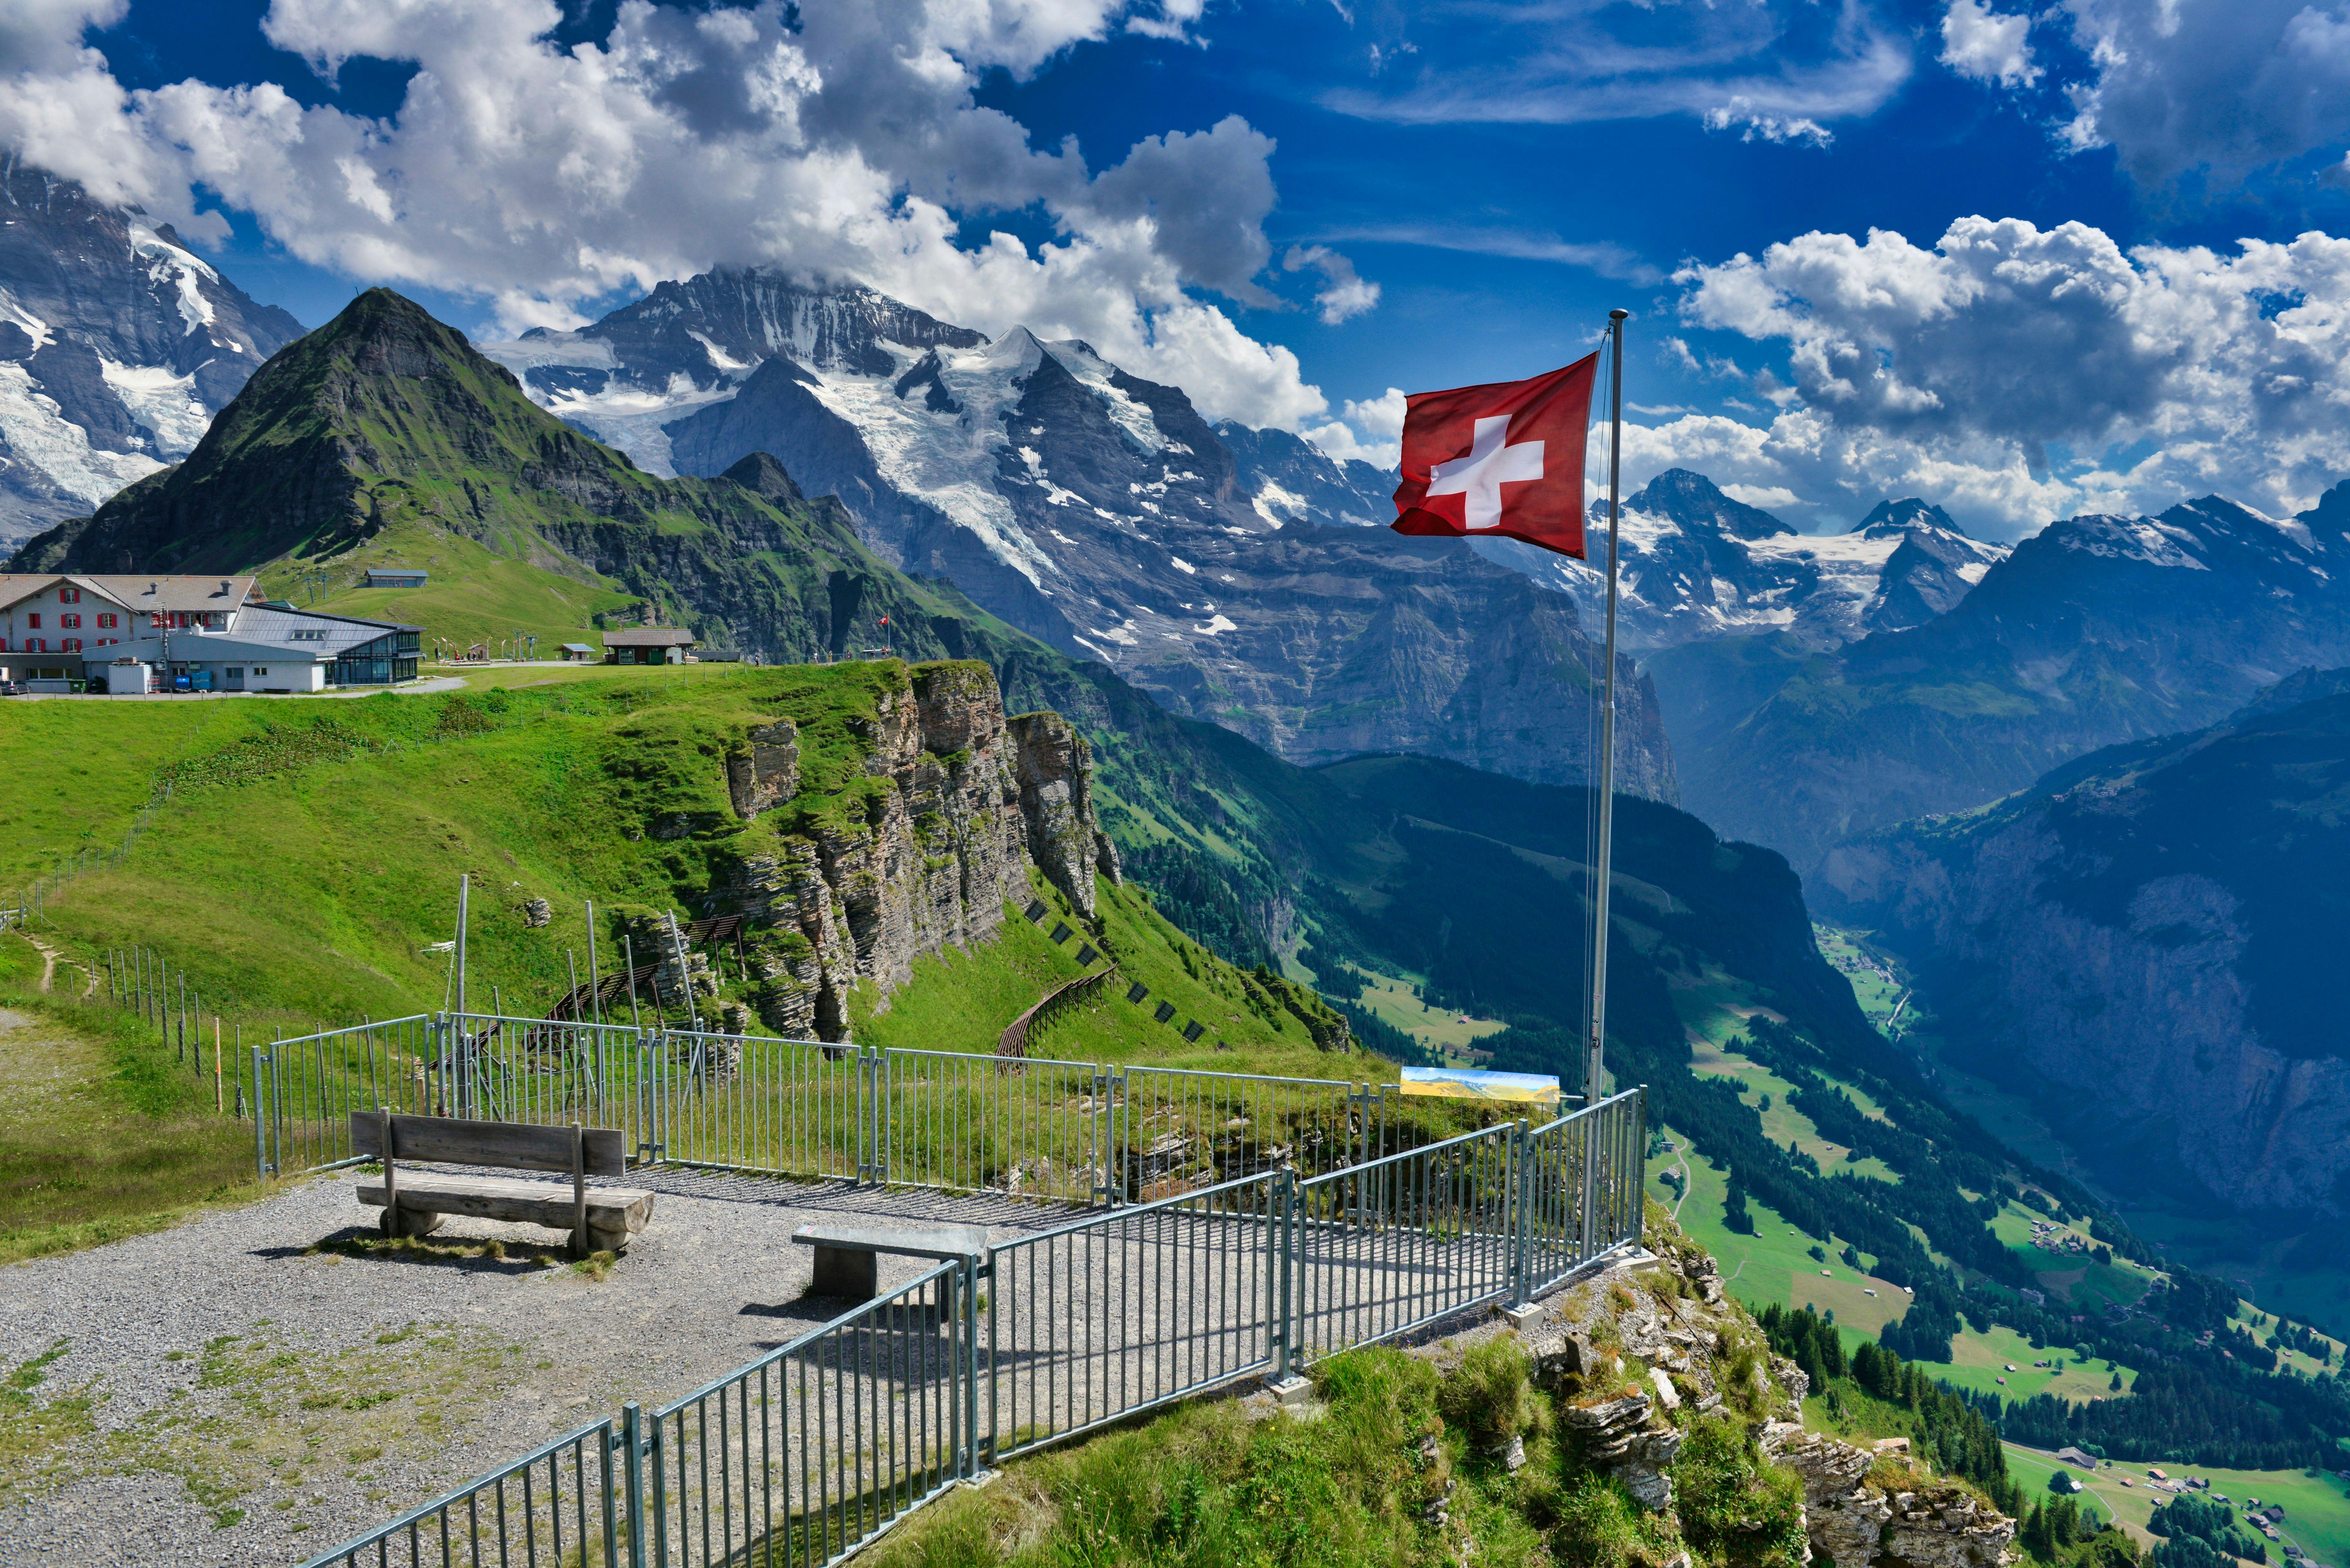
x,y
1505,458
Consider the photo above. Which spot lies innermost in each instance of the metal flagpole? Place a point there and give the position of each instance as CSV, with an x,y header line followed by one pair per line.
x,y
1594,1070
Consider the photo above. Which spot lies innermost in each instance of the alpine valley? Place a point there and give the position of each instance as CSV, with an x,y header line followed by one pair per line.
x,y
809,471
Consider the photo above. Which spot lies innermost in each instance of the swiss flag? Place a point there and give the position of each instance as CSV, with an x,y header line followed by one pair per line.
x,y
1505,458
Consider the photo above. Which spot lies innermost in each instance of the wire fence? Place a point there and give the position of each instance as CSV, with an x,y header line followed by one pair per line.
x,y
809,1453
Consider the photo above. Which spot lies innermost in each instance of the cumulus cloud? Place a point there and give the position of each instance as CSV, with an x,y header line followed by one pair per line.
x,y
2009,370
2219,90
1777,69
1342,295
1981,43
833,137
46,35
1371,431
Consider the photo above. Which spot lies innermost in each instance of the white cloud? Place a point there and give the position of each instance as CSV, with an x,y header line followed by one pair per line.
x,y
46,35
836,138
1342,295
1781,70
1372,430
1981,43
1751,120
1605,257
2211,89
2017,374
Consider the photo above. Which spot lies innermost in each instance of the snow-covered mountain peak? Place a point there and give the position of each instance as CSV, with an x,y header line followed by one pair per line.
x,y
1892,518
1099,511
118,345
1691,501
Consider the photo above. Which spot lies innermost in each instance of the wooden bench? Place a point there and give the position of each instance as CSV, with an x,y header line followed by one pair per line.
x,y
600,1220
847,1257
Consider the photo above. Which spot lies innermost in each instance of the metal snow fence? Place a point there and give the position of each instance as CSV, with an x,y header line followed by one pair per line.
x,y
807,1453
556,1505
543,1071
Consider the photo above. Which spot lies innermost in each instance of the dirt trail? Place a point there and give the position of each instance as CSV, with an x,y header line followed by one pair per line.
x,y
51,957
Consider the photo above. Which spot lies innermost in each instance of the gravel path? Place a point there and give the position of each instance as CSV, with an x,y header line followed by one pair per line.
x,y
258,1384
220,1361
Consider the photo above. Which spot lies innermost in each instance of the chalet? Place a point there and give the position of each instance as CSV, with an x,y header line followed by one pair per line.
x,y
2076,1459
577,653
648,645
142,632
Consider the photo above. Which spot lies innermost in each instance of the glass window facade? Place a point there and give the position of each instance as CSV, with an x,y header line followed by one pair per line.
x,y
388,658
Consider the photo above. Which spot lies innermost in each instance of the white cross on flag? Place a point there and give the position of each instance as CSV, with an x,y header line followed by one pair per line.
x,y
1505,458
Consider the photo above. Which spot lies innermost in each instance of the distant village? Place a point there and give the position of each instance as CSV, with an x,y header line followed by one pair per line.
x,y
2051,1237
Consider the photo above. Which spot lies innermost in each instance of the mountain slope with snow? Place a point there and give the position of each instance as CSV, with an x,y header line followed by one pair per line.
x,y
1101,512
1698,565
118,345
2096,631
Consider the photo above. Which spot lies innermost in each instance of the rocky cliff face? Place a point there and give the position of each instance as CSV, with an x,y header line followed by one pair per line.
x,y
117,347
2145,941
1638,1353
955,803
1101,514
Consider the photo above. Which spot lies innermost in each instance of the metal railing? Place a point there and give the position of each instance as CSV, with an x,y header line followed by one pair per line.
x,y
1388,1246
821,1444
807,1453
1079,1132
558,1505
1094,1320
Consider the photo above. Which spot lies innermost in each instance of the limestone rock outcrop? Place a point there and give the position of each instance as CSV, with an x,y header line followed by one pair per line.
x,y
1854,1518
859,887
1638,1353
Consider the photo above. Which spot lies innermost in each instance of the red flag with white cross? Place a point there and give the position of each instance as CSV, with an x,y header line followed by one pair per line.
x,y
1504,459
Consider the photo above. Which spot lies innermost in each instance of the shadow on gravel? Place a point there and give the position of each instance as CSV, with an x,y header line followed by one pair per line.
x,y
480,1257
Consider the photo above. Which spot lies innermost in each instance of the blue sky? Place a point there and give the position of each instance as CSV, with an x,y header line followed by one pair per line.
x,y
1501,172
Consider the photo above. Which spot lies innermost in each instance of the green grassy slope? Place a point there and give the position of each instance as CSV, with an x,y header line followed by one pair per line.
x,y
103,1132
311,852
383,437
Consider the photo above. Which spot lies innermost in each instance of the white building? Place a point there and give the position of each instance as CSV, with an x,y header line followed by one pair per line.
x,y
142,632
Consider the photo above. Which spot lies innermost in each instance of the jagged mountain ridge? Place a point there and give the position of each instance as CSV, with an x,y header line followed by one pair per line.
x,y
1698,565
118,345
1101,514
386,421
2096,631
2154,926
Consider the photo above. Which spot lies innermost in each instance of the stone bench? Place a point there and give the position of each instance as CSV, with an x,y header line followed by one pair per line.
x,y
847,1257
600,1220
